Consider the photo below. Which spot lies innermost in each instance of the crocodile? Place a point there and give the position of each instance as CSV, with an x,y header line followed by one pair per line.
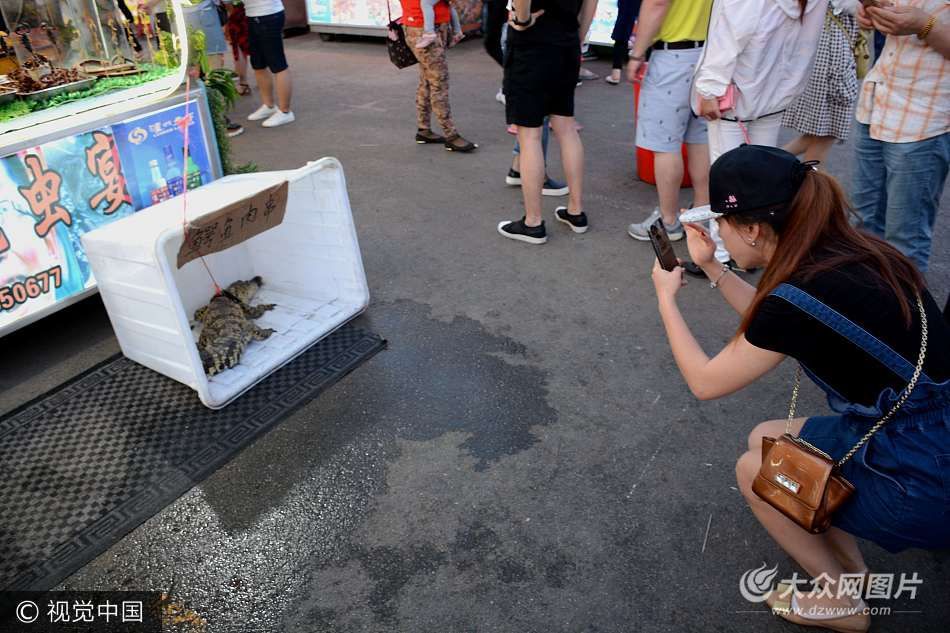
x,y
227,327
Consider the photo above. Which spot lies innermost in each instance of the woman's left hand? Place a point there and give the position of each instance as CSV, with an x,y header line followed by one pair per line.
x,y
667,282
898,20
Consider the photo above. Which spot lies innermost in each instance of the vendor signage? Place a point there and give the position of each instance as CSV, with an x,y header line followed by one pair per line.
x,y
234,223
152,152
52,194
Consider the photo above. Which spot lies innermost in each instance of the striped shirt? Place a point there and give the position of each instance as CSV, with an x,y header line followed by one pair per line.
x,y
906,96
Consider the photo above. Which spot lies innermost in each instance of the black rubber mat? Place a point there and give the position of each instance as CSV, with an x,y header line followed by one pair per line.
x,y
86,463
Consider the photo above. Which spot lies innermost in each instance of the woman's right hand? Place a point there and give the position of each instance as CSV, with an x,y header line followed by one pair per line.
x,y
524,27
709,109
702,250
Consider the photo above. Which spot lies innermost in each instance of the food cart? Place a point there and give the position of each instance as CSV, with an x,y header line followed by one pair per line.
x,y
91,130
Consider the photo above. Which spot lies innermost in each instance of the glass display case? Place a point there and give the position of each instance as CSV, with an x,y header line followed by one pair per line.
x,y
66,32
92,122
83,58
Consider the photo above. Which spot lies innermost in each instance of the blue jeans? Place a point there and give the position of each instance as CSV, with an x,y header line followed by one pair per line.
x,y
897,188
204,17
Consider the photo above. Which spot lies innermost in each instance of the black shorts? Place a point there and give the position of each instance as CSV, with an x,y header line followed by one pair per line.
x,y
265,36
539,81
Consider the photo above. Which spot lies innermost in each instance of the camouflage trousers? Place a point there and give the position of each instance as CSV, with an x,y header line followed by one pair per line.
x,y
433,93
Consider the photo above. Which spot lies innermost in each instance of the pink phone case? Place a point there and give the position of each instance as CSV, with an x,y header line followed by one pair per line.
x,y
728,101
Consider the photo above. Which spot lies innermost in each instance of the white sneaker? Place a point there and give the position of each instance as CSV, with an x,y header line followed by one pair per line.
x,y
261,113
500,96
279,118
641,230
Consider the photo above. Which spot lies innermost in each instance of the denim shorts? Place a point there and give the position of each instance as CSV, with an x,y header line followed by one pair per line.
x,y
901,477
664,117
204,17
265,36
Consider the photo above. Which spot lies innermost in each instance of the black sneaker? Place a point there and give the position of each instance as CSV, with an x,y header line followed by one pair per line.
x,y
692,269
578,223
516,230
736,268
234,129
550,187
554,188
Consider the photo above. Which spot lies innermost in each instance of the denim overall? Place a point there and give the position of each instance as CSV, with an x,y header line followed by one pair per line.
x,y
902,474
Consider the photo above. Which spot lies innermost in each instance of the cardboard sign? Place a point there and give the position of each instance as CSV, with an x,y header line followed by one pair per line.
x,y
234,224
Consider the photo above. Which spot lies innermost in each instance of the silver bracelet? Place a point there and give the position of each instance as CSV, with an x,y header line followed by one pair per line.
x,y
725,270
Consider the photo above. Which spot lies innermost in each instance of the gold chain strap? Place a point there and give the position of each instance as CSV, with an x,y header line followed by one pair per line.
x,y
897,405
794,403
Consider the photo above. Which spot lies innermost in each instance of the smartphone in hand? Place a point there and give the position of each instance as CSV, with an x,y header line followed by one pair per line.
x,y
662,246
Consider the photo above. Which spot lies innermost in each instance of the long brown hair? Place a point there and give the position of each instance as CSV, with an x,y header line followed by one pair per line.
x,y
817,237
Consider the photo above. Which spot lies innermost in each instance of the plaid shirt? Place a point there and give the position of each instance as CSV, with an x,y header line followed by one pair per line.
x,y
906,96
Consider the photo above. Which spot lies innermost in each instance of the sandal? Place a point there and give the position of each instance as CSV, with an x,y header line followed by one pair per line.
x,y
789,610
458,144
244,89
425,137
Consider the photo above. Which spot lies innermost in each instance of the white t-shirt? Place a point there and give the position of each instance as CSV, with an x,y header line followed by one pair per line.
x,y
259,8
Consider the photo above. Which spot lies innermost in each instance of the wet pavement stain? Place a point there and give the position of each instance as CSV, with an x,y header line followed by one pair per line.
x,y
250,547
460,379
388,507
390,569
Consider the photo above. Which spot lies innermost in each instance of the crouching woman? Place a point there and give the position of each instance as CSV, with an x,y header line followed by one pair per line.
x,y
857,317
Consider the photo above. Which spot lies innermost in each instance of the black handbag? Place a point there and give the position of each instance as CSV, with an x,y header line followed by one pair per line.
x,y
399,52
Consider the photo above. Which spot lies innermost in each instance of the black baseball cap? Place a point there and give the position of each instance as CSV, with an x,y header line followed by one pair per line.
x,y
754,180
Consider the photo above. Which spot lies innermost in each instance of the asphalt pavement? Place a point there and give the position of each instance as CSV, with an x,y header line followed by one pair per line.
x,y
525,456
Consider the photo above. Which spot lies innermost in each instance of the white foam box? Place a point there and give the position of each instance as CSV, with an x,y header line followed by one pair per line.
x,y
310,263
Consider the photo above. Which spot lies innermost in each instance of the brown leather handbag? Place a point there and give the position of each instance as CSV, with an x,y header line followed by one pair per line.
x,y
803,482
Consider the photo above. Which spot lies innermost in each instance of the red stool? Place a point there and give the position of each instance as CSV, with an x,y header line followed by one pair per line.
x,y
645,171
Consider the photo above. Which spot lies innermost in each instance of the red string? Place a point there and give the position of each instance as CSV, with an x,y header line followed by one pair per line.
x,y
184,192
